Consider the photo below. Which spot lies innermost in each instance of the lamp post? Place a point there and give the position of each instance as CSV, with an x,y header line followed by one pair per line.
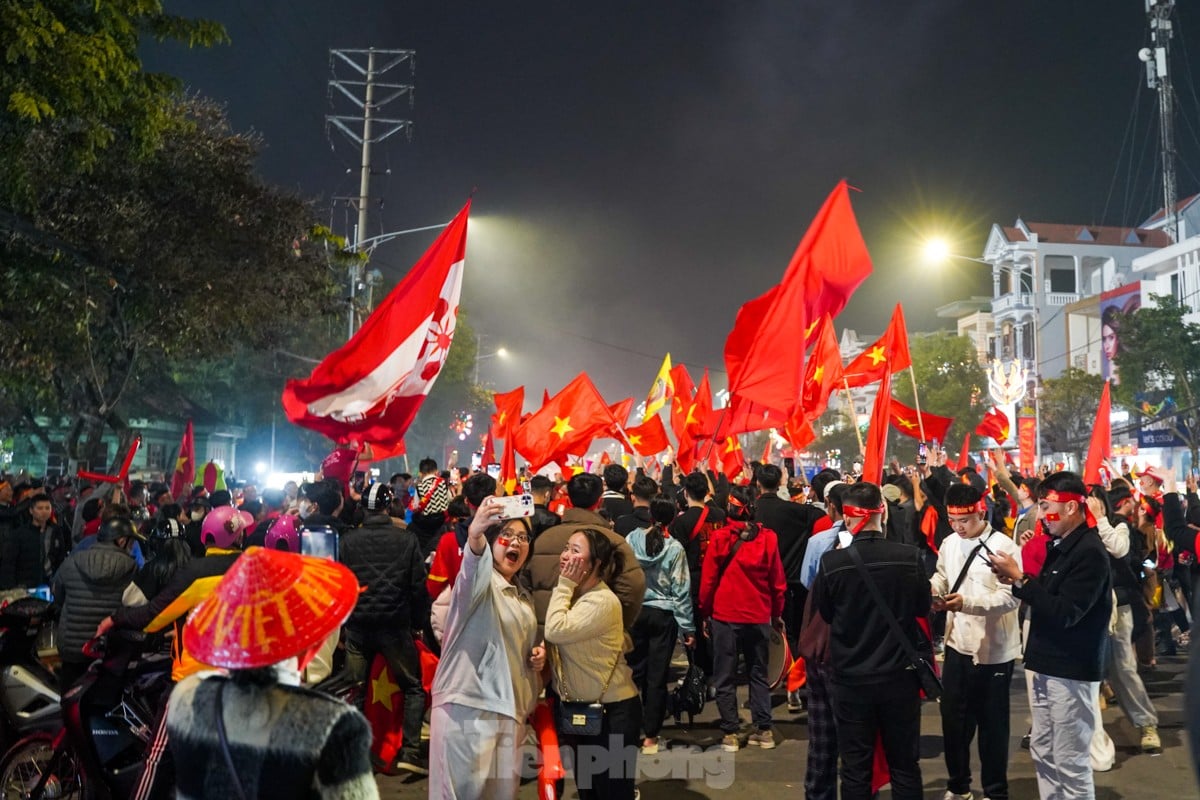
x,y
374,277
938,251
499,353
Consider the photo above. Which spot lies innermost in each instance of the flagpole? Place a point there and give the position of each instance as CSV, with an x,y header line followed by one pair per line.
x,y
713,441
862,449
917,401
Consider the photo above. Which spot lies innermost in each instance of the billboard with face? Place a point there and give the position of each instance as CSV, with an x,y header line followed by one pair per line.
x,y
1115,305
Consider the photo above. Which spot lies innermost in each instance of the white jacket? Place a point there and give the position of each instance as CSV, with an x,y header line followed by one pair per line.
x,y
986,629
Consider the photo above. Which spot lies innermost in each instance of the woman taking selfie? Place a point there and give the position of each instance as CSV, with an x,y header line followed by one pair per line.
x,y
489,676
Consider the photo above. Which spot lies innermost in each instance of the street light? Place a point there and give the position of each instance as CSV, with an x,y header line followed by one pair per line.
x,y
374,277
499,353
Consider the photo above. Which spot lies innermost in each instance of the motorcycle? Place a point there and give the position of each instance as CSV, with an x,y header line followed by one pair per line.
x,y
29,696
108,723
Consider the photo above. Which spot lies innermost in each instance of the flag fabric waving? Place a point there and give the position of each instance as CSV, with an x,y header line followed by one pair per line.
x,y
876,457
661,391
995,424
369,389
906,421
823,372
764,353
571,420
185,464
649,438
888,355
1100,447
699,421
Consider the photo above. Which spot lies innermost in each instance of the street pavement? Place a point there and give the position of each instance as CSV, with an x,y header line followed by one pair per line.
x,y
693,769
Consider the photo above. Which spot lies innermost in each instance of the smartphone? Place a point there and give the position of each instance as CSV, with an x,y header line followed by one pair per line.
x,y
516,506
922,454
493,470
789,465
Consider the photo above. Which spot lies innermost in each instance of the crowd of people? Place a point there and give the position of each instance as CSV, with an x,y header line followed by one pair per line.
x,y
581,603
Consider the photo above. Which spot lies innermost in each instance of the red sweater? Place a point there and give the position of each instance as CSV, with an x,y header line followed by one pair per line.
x,y
751,591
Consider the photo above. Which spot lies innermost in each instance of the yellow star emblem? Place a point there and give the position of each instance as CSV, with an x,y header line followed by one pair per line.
x,y
562,426
818,373
383,690
691,416
500,421
731,445
877,355
907,424
812,326
181,464
635,439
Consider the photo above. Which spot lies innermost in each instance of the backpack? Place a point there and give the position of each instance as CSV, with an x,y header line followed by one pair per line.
x,y
690,693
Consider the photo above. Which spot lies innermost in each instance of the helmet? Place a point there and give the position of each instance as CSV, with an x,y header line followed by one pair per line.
x,y
118,528
223,527
284,534
163,529
379,496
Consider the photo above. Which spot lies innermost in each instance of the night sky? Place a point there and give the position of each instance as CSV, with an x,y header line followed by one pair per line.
x,y
644,168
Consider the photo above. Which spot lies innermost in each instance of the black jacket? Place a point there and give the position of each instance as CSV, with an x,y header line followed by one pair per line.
x,y
88,587
861,645
615,505
543,519
389,566
1070,602
681,530
21,560
793,525
628,523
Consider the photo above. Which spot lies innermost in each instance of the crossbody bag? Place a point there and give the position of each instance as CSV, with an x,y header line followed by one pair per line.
x,y
577,717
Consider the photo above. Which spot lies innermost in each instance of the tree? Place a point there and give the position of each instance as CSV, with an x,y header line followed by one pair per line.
x,y
1067,406
148,260
1159,352
835,433
951,379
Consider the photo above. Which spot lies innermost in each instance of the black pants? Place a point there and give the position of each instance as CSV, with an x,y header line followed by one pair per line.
x,y
890,711
605,765
975,698
405,663
729,639
793,614
702,654
654,635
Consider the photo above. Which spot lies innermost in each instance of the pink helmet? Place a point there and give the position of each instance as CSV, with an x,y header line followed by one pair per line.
x,y
223,527
284,534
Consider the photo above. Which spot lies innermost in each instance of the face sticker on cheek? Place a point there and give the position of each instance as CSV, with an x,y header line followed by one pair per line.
x,y
504,541
1052,517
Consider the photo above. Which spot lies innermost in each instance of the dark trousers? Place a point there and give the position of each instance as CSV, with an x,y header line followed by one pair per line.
x,y
400,652
729,639
654,635
975,698
889,711
820,776
605,765
702,654
793,614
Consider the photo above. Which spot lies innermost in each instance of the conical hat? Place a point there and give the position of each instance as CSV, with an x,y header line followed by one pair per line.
x,y
270,605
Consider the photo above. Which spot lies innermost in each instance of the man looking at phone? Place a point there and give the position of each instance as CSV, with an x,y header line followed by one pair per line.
x,y
1070,603
982,642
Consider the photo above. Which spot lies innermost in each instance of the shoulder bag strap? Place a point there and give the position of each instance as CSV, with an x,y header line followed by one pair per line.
x,y
562,686
893,626
700,522
737,543
962,573
224,739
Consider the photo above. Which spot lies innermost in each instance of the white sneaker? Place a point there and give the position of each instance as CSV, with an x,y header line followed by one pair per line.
x,y
949,795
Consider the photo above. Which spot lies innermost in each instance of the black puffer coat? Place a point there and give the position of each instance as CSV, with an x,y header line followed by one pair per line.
x,y
88,588
389,566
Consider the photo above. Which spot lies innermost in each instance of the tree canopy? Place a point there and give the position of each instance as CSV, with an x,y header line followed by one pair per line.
x,y
1067,406
952,382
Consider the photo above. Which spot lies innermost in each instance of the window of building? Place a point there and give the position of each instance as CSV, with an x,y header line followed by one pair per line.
x,y
156,457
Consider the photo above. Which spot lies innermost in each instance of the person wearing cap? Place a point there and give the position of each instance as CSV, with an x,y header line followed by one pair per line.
x,y
87,588
489,676
1070,603
877,691
253,731
387,561
982,643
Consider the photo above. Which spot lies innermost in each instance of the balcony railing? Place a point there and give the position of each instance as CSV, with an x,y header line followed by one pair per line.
x,y
1061,298
1011,302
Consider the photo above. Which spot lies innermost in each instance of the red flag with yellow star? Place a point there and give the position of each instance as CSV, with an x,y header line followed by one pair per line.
x,y
699,422
995,424
906,421
822,372
504,425
887,356
571,420
685,390
649,438
876,457
733,461
185,464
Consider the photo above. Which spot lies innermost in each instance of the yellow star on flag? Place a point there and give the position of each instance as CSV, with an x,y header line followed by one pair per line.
x,y
181,464
635,439
818,373
383,690
731,445
562,426
812,326
691,417
500,421
877,355
907,423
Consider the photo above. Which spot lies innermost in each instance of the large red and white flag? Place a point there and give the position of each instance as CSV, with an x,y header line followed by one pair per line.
x,y
369,389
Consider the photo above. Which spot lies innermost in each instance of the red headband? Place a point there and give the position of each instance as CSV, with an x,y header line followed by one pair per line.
x,y
981,506
858,512
1055,496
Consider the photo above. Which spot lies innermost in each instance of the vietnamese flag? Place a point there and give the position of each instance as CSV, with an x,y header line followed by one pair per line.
x,y
620,412
908,422
733,461
370,389
680,404
823,372
649,438
508,411
699,422
1100,447
876,458
964,455
800,433
487,453
995,424
764,353
185,464
747,416
888,355
570,421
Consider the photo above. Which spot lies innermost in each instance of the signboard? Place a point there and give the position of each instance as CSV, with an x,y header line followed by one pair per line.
x,y
1115,304
1027,443
1160,434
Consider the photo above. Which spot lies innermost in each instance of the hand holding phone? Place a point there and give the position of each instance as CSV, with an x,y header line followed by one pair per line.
x,y
515,506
